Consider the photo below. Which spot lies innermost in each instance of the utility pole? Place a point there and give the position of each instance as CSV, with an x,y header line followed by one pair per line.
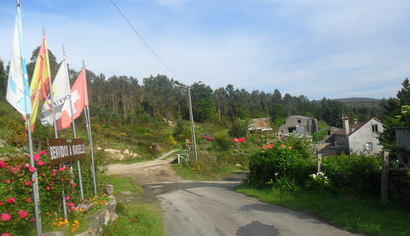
x,y
191,118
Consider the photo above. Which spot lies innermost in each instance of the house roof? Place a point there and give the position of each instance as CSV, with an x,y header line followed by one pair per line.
x,y
355,127
269,146
260,124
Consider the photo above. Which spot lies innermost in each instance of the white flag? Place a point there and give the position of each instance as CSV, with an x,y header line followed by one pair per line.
x,y
61,97
17,86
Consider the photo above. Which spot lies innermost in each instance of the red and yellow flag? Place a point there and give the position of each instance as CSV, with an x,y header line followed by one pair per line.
x,y
40,85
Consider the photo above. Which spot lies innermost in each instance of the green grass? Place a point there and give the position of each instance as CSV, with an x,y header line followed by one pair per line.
x,y
321,124
359,215
135,218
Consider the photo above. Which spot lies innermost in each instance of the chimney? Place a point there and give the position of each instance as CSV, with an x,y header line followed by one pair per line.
x,y
346,125
355,121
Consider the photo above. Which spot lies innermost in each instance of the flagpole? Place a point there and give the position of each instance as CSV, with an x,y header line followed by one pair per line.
x,y
51,89
34,176
72,117
87,119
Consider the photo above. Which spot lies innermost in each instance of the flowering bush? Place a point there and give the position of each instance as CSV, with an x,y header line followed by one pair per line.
x,y
16,192
319,182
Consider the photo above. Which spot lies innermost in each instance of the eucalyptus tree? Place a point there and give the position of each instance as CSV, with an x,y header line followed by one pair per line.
x,y
3,79
221,103
202,104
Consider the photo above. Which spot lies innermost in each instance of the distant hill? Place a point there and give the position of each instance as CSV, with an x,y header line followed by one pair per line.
x,y
357,100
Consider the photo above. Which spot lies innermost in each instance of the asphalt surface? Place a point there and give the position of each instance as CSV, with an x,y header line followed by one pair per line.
x,y
214,208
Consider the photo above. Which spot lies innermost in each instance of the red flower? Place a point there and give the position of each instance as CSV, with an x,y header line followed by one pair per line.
x,y
36,157
48,188
2,164
43,152
5,234
23,213
10,200
61,169
28,200
26,165
74,184
40,163
8,181
1,203
31,169
67,198
32,219
5,217
26,182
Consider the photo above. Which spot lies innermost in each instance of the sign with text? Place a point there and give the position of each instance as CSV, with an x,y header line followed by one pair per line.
x,y
61,150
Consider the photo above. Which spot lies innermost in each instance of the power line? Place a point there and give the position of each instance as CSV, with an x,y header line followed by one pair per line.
x,y
145,42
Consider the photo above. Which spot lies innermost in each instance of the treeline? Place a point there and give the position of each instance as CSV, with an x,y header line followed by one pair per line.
x,y
125,97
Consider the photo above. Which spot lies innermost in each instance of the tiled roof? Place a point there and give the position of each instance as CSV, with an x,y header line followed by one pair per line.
x,y
355,127
269,146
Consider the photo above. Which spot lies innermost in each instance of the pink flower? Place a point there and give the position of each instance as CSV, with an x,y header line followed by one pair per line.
x,y
48,188
61,169
1,203
62,179
32,219
71,204
43,152
5,234
40,163
73,208
74,184
52,183
23,213
31,169
54,170
2,164
36,157
67,198
28,200
26,182
53,174
26,165
33,180
5,217
8,181
10,200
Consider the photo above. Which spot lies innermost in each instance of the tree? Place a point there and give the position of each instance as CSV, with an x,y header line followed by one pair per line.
x,y
238,129
54,65
278,111
221,103
3,79
404,94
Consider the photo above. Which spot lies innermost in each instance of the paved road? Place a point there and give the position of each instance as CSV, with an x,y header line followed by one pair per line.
x,y
214,208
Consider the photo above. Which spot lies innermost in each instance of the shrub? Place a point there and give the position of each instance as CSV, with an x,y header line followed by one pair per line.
x,y
355,173
222,142
278,162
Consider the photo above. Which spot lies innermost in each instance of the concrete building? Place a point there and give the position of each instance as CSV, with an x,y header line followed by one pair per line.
x,y
302,125
403,145
359,138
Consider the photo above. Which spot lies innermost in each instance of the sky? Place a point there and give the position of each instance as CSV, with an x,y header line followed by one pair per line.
x,y
316,48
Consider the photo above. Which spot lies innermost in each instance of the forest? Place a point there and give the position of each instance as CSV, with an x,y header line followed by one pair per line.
x,y
127,98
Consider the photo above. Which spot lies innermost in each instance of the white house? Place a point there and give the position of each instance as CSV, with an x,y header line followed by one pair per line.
x,y
360,138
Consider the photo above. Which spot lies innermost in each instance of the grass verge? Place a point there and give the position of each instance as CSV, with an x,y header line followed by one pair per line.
x,y
364,215
135,217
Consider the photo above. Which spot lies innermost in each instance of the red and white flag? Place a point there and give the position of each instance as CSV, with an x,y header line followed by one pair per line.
x,y
79,98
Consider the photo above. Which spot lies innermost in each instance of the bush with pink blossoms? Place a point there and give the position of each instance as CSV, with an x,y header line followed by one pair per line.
x,y
16,186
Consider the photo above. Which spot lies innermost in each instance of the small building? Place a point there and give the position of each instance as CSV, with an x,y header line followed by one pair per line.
x,y
302,125
359,138
259,125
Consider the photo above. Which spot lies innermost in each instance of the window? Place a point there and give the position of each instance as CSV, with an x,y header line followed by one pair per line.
x,y
328,132
299,121
375,128
369,146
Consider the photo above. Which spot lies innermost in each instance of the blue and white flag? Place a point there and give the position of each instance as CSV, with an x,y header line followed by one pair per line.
x,y
17,86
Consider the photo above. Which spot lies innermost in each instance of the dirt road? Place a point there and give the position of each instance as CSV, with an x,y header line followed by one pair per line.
x,y
158,170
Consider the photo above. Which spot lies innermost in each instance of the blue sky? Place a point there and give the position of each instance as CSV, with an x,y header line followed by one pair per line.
x,y
317,48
